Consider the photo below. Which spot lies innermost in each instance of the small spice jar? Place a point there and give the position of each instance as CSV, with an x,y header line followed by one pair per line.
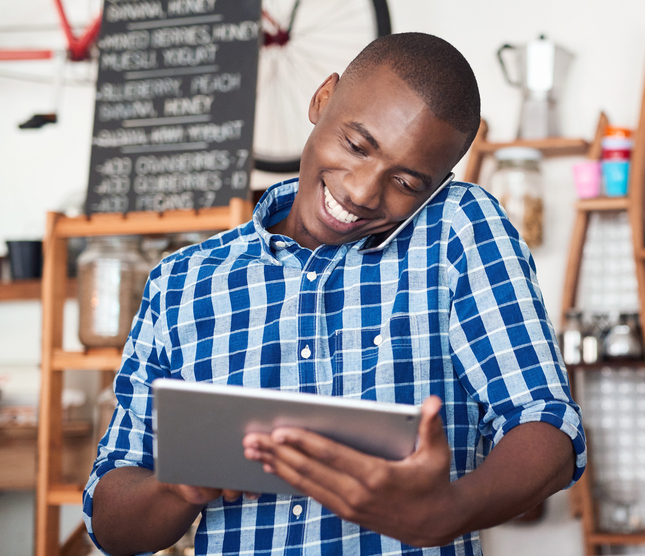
x,y
616,153
517,184
111,278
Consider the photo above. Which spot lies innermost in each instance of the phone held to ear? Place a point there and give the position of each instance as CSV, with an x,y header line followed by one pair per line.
x,y
378,242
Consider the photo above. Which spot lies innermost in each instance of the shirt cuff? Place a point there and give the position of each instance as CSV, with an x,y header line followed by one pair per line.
x,y
568,422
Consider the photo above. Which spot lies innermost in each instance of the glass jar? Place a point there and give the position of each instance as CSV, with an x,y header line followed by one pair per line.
x,y
591,338
624,339
517,184
111,278
571,338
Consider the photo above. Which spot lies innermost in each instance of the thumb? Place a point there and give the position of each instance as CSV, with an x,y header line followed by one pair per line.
x,y
431,433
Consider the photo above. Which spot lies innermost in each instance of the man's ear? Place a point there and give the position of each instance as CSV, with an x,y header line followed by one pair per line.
x,y
321,96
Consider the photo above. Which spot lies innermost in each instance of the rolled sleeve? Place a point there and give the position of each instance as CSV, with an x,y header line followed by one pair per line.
x,y
503,345
128,441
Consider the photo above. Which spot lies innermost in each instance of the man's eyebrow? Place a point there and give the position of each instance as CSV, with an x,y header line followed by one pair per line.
x,y
360,128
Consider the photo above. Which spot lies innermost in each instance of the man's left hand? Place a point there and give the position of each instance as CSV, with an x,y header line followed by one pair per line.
x,y
394,498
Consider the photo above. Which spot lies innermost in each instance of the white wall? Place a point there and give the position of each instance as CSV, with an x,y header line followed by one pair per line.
x,y
41,169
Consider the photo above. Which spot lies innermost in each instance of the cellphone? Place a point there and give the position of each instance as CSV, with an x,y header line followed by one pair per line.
x,y
377,242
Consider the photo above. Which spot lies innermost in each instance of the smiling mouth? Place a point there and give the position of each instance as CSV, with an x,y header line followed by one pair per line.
x,y
336,210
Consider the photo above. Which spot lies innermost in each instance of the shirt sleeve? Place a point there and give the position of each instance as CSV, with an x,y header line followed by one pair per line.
x,y
503,345
128,440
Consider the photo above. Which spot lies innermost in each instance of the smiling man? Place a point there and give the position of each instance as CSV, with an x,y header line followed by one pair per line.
x,y
326,291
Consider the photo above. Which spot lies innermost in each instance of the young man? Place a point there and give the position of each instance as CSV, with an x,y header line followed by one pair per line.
x,y
448,315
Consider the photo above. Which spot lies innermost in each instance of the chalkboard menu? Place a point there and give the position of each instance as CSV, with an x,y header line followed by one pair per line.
x,y
175,104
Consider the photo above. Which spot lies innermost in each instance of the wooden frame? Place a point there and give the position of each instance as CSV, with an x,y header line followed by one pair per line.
x,y
52,491
582,493
582,501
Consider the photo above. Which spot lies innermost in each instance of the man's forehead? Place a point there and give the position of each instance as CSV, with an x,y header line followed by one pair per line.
x,y
376,74
381,94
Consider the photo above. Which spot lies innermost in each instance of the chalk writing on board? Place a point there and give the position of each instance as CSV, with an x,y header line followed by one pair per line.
x,y
175,104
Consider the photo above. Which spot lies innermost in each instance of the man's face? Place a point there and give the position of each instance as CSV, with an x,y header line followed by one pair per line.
x,y
375,155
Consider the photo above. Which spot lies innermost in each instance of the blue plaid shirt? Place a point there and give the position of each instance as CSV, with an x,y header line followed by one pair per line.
x,y
452,308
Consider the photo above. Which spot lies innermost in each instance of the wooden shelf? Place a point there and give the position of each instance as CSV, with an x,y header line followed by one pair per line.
x,y
18,454
28,290
142,223
103,359
71,429
65,494
550,147
617,538
613,363
601,204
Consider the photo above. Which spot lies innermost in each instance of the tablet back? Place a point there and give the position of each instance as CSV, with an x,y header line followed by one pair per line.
x,y
199,429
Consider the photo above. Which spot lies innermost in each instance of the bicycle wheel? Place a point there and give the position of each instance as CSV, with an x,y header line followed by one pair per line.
x,y
304,42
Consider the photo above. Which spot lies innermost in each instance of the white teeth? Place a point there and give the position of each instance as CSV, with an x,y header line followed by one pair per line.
x,y
337,211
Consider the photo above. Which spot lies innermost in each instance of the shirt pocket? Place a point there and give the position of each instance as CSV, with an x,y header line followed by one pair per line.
x,y
378,363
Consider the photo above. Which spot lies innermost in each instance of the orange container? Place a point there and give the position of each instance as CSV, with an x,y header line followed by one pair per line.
x,y
618,132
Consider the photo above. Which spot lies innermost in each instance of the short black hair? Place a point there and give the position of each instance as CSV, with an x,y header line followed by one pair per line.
x,y
434,69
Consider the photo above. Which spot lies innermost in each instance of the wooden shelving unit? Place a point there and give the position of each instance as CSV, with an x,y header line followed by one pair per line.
x,y
17,442
54,488
583,502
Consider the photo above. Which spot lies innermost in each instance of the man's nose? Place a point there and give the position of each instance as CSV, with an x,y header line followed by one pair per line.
x,y
365,189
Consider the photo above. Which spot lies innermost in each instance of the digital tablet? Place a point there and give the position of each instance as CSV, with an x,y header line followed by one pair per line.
x,y
199,429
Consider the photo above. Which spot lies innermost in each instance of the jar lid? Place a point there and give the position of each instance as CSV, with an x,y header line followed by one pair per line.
x,y
518,153
614,131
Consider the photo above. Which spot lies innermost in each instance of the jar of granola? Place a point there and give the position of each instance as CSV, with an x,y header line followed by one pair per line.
x,y
517,184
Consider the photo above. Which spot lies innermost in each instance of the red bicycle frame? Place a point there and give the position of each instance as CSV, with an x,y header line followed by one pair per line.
x,y
78,48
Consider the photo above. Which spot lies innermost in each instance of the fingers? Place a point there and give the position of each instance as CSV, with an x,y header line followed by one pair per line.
x,y
315,447
433,451
431,433
231,495
313,464
200,496
197,496
327,485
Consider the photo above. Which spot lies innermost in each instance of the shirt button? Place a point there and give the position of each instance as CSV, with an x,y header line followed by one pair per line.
x,y
297,510
280,244
378,340
311,276
306,352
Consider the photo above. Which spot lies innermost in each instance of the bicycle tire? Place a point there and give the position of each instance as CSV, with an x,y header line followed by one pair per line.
x,y
281,123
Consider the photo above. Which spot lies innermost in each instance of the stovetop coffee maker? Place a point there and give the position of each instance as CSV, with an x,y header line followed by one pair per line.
x,y
540,69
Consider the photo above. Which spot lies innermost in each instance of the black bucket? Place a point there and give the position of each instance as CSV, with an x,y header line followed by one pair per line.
x,y
25,259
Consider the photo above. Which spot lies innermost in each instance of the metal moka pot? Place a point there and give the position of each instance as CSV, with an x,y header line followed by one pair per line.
x,y
539,69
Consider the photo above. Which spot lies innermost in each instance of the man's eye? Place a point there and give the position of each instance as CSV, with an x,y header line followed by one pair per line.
x,y
406,186
354,147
